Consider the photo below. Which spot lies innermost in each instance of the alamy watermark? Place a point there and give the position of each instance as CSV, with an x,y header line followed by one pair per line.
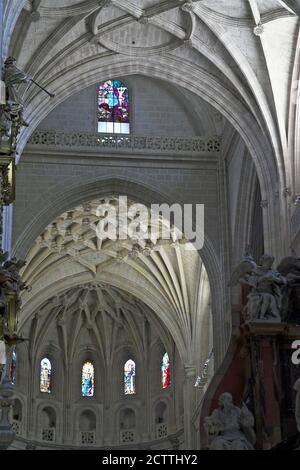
x,y
296,354
138,222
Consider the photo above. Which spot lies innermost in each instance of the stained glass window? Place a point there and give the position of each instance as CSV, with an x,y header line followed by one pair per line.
x,y
88,380
45,376
166,371
13,367
129,377
113,108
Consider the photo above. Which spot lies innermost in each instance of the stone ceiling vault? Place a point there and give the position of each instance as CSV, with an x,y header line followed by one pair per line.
x,y
228,51
163,274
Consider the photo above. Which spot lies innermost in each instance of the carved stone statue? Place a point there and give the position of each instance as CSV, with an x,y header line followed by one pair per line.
x,y
297,408
266,286
230,427
5,121
290,268
11,113
13,77
10,279
11,285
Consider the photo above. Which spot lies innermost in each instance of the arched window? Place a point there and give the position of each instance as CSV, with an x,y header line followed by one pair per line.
x,y
45,375
88,380
129,377
166,371
113,108
13,367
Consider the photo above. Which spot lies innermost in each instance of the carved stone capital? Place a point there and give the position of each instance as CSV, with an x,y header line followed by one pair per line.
x,y
190,371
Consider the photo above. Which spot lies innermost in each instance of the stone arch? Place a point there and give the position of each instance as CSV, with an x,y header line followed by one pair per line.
x,y
133,408
160,404
40,359
46,422
87,420
52,353
158,349
127,424
17,411
127,418
161,419
48,417
196,80
122,356
115,186
256,129
83,356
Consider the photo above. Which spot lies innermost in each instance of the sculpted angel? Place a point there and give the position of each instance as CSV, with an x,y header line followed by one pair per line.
x,y
266,288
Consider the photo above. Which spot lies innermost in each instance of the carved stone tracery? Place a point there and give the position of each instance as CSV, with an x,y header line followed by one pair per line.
x,y
95,141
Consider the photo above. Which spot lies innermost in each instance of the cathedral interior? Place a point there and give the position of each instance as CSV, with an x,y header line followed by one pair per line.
x,y
163,335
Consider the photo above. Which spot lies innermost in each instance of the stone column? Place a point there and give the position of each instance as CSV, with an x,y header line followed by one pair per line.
x,y
7,211
188,402
1,33
7,220
7,435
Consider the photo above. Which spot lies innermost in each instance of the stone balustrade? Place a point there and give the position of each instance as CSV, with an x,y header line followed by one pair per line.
x,y
95,142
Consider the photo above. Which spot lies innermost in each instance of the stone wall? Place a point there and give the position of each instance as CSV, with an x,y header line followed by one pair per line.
x,y
155,109
44,181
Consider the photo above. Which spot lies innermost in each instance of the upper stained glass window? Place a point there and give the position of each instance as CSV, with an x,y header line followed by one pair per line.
x,y
45,375
166,371
88,380
113,107
129,377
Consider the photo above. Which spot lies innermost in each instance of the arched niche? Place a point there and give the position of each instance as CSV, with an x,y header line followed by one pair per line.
x,y
47,424
87,421
87,426
161,420
128,426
